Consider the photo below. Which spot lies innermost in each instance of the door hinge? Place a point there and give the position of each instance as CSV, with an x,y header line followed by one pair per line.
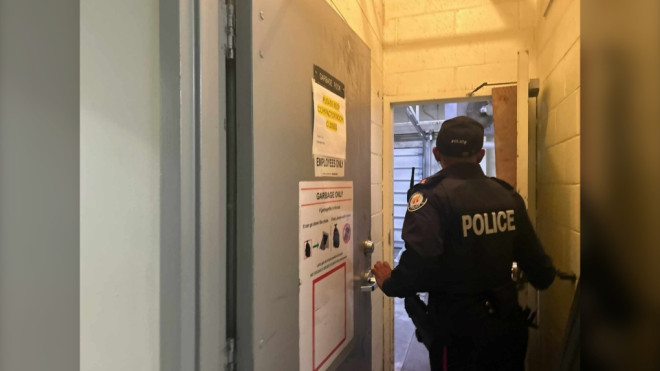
x,y
231,354
230,30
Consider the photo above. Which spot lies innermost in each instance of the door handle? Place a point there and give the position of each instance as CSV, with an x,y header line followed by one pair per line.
x,y
368,282
518,277
569,276
368,246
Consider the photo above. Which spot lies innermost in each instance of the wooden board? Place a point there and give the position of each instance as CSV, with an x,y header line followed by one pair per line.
x,y
505,121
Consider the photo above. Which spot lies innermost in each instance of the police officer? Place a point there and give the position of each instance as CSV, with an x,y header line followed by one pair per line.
x,y
462,232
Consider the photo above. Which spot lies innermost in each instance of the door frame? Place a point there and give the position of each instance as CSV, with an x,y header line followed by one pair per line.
x,y
177,242
388,188
388,195
193,183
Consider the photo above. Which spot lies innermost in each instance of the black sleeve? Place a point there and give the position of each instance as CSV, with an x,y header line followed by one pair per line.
x,y
528,251
412,275
423,227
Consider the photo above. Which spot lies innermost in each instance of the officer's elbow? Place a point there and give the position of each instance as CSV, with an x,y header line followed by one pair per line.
x,y
543,281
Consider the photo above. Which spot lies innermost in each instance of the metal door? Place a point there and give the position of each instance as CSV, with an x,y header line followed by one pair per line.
x,y
278,44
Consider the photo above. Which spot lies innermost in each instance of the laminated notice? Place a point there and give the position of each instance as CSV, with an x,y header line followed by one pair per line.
x,y
329,138
328,166
326,282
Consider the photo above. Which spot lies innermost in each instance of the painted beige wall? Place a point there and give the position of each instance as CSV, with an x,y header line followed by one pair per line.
x,y
119,185
558,218
365,17
444,49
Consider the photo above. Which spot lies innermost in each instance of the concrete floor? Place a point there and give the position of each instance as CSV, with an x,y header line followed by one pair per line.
x,y
409,354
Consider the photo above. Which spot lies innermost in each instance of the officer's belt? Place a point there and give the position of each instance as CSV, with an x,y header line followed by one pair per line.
x,y
503,297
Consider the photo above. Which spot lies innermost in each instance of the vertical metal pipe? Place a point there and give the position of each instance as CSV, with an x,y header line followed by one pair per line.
x,y
428,154
232,188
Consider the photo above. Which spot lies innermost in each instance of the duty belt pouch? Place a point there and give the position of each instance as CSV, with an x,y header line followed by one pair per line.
x,y
503,302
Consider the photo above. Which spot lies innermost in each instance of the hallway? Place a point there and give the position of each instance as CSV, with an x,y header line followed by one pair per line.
x,y
409,354
207,184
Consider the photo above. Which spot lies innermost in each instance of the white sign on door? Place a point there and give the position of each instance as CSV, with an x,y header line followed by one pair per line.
x,y
326,270
329,139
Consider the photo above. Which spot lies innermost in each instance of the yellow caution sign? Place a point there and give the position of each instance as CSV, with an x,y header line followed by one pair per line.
x,y
331,103
331,125
329,109
330,114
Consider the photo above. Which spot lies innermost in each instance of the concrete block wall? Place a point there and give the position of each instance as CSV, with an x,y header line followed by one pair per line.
x,y
444,49
428,49
558,146
365,17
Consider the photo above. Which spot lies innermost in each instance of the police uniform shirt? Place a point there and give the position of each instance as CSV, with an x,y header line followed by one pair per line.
x,y
462,231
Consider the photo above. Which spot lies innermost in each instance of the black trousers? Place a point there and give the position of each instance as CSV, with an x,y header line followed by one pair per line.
x,y
504,349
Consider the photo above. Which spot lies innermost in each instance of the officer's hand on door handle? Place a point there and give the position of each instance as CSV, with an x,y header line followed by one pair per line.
x,y
381,271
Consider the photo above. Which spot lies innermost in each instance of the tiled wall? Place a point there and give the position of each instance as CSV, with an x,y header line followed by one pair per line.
x,y
365,17
558,218
444,49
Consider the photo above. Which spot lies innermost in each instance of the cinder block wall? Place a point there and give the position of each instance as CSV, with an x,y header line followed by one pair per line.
x,y
558,218
445,49
365,17
430,49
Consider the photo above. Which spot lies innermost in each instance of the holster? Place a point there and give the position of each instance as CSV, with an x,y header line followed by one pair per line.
x,y
427,330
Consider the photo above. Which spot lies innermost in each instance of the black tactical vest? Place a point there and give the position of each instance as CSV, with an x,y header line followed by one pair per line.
x,y
472,241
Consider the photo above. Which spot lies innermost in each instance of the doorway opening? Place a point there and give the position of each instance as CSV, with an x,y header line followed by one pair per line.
x,y
415,128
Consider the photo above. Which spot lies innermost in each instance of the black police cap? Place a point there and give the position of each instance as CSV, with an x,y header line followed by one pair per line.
x,y
461,136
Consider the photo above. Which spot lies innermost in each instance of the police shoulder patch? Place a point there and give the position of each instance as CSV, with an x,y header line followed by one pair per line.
x,y
417,201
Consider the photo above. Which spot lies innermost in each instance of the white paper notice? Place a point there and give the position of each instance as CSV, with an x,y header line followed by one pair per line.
x,y
328,166
329,139
326,271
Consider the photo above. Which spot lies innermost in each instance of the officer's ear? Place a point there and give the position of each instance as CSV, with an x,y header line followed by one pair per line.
x,y
480,155
436,154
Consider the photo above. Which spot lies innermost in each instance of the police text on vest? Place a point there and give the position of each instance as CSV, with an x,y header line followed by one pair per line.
x,y
489,223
